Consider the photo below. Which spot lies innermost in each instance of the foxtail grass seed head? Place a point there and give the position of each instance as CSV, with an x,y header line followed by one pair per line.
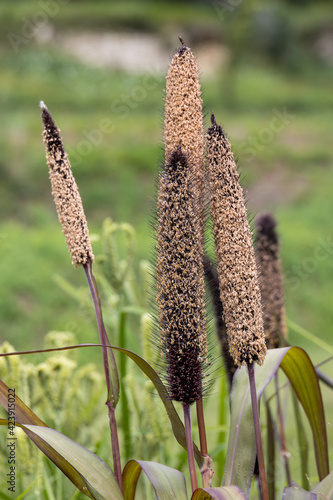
x,y
66,194
271,282
183,122
236,265
180,282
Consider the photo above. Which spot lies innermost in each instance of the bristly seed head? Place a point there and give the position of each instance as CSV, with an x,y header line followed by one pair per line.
x,y
271,282
66,194
183,122
236,265
180,282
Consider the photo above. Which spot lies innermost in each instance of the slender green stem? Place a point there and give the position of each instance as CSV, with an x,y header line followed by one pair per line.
x,y
189,445
257,431
110,390
282,433
222,422
124,401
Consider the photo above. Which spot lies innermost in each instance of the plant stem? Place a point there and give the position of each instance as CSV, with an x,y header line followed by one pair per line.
x,y
111,388
256,420
115,446
282,434
206,471
125,413
189,445
202,428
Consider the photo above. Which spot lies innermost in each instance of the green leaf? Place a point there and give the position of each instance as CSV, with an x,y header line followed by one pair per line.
x,y
241,446
241,450
227,493
325,488
89,473
177,425
82,467
301,373
295,492
168,483
302,441
23,414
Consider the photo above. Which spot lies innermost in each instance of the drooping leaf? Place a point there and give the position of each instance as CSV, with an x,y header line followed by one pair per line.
x,y
241,446
23,414
227,493
301,373
177,425
167,483
89,473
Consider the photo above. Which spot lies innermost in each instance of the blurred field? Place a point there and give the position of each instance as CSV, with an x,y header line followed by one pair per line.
x,y
271,92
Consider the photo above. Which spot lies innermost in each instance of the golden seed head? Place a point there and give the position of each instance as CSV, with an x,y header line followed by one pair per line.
x,y
183,123
66,194
271,282
236,265
180,282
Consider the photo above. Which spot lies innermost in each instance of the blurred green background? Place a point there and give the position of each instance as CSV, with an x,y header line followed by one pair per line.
x,y
266,72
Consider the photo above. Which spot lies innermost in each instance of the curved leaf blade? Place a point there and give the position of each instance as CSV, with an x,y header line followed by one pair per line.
x,y
176,424
23,414
227,493
167,483
301,373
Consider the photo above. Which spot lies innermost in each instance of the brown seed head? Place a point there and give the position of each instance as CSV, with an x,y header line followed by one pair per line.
x,y
180,282
183,123
271,283
66,194
236,263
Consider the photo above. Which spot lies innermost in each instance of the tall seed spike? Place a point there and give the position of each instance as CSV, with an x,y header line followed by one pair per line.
x,y
66,194
180,282
183,122
236,265
271,282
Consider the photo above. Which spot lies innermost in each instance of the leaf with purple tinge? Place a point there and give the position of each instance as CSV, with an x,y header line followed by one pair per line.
x,y
168,483
227,493
241,446
295,492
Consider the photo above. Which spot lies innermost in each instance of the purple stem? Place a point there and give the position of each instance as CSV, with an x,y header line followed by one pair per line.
x,y
257,431
105,341
282,433
189,446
